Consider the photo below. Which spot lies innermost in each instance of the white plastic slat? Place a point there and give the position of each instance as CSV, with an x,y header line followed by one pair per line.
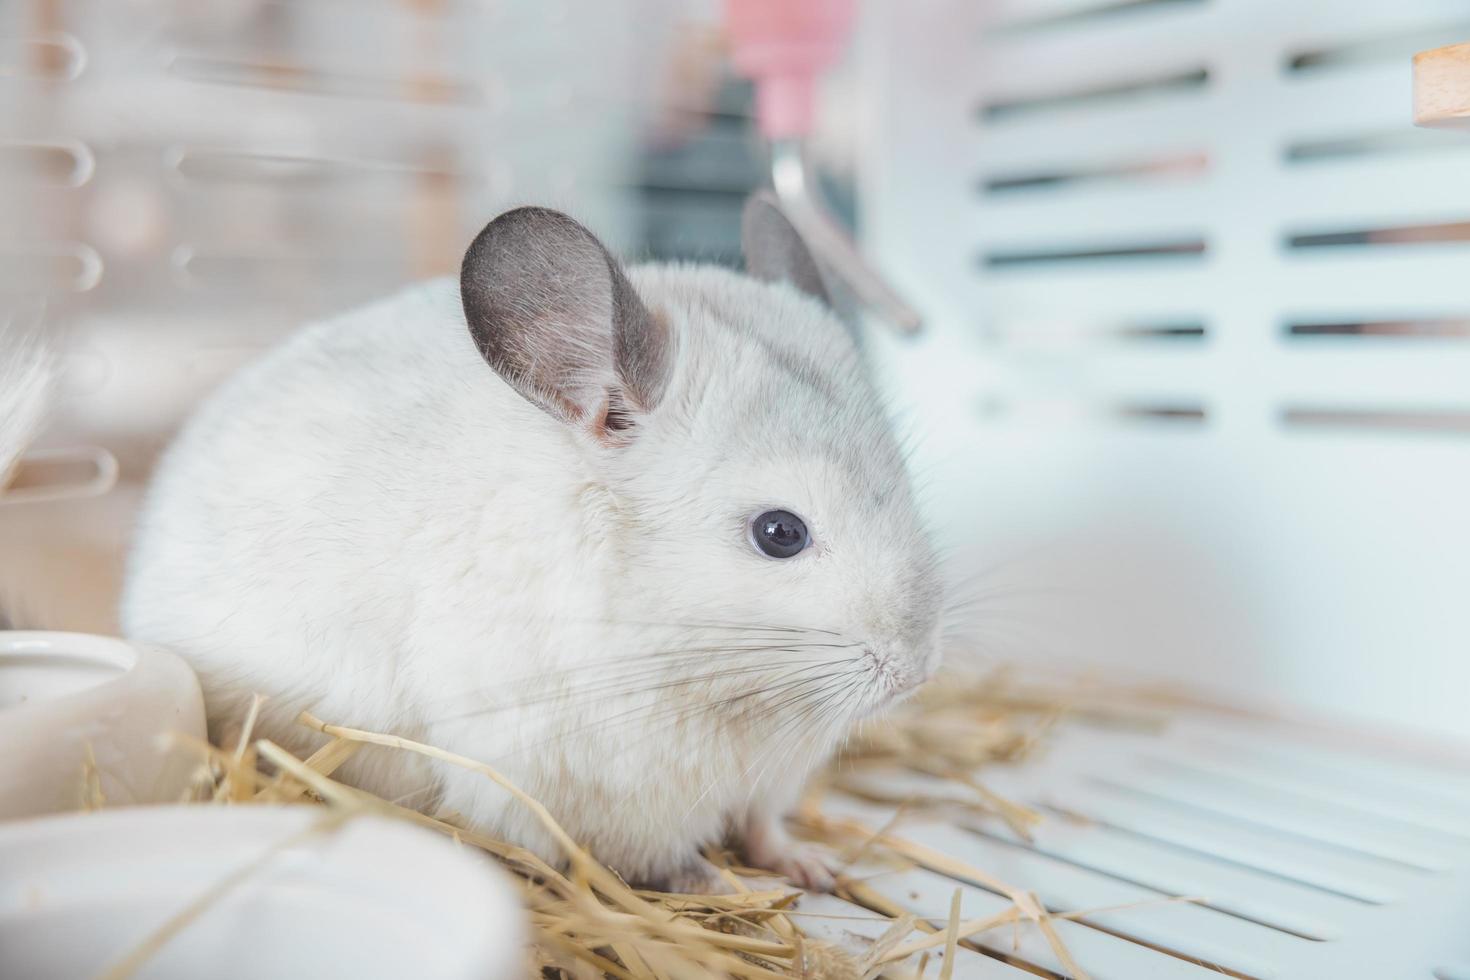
x,y
1120,761
1277,906
1170,285
1128,214
1087,133
1358,97
1301,25
1328,869
1214,839
1327,197
1132,377
853,928
1058,65
1437,821
1346,194
1430,377
1370,278
1324,23
1444,784
1374,276
1099,138
1320,106
1358,832
1066,879
1103,956
1195,931
1001,14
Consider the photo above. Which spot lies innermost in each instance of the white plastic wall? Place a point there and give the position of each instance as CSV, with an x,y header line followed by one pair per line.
x,y
1169,481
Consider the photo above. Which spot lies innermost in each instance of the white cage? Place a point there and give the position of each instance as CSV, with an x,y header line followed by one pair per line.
x,y
1196,377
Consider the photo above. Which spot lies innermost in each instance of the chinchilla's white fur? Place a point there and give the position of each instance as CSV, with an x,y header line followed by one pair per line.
x,y
370,523
26,373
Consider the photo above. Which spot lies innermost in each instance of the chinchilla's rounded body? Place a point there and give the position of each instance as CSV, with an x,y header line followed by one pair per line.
x,y
642,540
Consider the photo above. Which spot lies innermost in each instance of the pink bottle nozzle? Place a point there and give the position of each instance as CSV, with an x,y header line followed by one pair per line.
x,y
783,46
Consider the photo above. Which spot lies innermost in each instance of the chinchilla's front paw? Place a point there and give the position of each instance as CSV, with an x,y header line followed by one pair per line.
x,y
768,846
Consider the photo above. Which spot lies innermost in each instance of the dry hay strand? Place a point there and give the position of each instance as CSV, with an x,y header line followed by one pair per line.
x,y
586,922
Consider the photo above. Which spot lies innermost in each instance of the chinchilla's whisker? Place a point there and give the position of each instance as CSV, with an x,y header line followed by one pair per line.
x,y
764,711
715,780
700,679
782,683
780,743
693,624
714,625
767,753
662,720
788,681
825,689
810,645
800,743
799,696
812,686
652,661
629,688
753,645
809,715
678,711
629,684
679,715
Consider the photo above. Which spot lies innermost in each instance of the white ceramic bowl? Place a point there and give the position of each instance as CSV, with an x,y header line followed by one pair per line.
x,y
374,899
72,700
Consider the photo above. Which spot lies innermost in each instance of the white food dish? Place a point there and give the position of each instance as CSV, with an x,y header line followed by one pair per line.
x,y
85,715
372,898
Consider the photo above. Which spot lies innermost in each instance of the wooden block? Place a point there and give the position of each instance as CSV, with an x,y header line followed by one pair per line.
x,y
1442,87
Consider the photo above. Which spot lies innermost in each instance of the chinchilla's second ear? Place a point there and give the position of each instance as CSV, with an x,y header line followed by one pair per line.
x,y
554,314
776,252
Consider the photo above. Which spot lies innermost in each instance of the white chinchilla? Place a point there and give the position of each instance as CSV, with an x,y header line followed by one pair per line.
x,y
642,539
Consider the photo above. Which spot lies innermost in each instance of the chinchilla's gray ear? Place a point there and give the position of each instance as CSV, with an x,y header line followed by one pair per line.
x,y
774,249
554,315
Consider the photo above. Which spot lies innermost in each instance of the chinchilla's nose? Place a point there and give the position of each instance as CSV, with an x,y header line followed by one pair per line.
x,y
909,640
904,662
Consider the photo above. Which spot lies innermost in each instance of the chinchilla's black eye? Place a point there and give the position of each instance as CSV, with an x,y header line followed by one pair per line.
x,y
779,534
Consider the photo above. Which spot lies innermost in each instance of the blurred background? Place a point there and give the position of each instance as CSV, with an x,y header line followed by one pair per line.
x,y
1194,379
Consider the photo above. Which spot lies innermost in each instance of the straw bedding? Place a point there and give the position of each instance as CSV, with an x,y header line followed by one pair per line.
x,y
588,923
